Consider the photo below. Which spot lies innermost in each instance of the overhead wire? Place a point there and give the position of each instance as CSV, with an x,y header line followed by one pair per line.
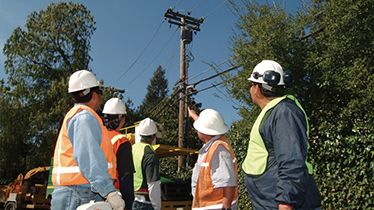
x,y
228,99
213,85
152,60
211,77
195,7
175,50
176,5
193,85
209,69
163,107
140,53
162,67
215,9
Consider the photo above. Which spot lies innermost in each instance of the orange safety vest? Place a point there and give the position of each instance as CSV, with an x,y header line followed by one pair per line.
x,y
117,139
206,197
65,170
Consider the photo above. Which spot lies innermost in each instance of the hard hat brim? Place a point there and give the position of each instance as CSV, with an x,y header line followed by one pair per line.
x,y
218,131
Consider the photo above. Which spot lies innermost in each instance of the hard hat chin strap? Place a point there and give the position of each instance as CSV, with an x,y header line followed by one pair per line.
x,y
268,87
85,92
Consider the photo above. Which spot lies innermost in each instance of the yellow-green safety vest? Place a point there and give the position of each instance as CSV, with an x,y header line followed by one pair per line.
x,y
137,156
256,159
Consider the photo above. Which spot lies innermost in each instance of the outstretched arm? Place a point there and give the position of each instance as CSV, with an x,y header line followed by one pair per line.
x,y
192,114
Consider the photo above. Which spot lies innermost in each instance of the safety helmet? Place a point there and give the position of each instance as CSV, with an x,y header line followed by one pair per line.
x,y
147,127
271,73
82,80
114,106
210,122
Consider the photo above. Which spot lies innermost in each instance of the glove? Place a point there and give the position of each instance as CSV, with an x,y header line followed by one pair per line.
x,y
115,201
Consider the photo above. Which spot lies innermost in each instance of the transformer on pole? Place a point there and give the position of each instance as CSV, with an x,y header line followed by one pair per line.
x,y
187,24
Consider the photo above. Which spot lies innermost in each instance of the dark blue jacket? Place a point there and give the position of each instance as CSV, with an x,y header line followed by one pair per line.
x,y
286,179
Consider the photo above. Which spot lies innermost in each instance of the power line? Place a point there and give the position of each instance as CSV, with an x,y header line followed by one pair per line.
x,y
176,5
162,67
213,85
211,77
215,9
195,7
209,69
192,86
175,50
152,60
176,18
163,107
140,53
228,98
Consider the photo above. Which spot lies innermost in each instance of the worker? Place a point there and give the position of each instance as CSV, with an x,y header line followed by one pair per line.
x,y
84,162
147,166
214,179
114,117
277,174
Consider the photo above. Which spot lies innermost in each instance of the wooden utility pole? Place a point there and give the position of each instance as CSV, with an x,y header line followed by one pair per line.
x,y
186,24
183,100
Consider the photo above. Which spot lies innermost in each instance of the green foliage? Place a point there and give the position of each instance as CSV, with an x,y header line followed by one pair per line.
x,y
328,46
170,121
344,170
239,134
165,110
342,114
34,97
157,90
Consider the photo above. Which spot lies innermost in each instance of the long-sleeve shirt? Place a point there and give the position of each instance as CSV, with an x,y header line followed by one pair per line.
x,y
84,132
286,179
125,167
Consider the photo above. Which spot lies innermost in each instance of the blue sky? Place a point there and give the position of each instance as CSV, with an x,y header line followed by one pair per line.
x,y
124,29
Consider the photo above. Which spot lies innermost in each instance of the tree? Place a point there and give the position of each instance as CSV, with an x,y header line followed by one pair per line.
x,y
328,46
342,113
34,99
164,110
157,90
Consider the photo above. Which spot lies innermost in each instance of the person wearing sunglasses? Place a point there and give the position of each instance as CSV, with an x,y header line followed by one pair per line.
x,y
277,173
84,163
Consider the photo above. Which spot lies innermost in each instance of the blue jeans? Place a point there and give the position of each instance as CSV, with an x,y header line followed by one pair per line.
x,y
70,197
141,206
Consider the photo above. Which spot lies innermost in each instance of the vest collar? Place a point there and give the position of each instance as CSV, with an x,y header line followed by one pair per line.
x,y
207,145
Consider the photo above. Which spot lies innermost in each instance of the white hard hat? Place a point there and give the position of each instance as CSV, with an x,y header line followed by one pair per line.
x,y
82,80
268,72
147,127
210,122
114,106
92,205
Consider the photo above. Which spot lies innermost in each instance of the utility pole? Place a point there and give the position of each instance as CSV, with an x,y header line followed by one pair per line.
x,y
186,23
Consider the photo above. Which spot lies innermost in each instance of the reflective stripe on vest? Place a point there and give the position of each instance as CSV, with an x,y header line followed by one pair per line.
x,y
206,197
118,137
73,169
256,159
137,156
65,170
